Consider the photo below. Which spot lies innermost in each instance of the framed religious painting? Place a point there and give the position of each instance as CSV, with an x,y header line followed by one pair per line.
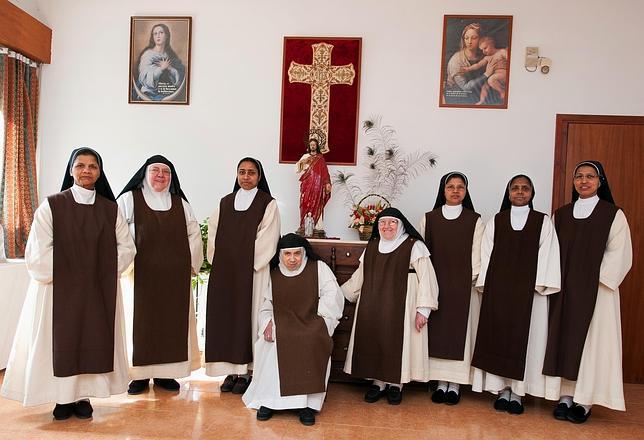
x,y
320,98
475,66
159,60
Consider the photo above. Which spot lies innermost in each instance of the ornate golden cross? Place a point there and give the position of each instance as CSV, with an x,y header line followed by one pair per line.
x,y
321,75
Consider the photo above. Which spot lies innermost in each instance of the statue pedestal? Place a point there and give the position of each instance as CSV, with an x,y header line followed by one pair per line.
x,y
317,233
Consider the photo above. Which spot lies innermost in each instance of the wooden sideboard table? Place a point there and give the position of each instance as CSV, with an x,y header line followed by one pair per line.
x,y
342,257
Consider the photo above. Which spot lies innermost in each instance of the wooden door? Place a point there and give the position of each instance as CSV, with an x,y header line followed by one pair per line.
x,y
618,143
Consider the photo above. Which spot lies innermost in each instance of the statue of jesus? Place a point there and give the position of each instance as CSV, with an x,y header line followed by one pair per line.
x,y
315,185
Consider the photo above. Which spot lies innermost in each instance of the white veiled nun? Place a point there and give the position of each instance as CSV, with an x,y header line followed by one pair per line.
x,y
158,182
264,391
421,297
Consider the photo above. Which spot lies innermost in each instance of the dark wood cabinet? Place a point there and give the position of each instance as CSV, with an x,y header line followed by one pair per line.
x,y
342,257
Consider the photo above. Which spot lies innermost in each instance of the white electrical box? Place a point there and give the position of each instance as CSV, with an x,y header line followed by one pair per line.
x,y
531,57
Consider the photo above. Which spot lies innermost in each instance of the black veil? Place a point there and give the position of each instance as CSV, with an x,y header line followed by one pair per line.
x,y
137,180
262,183
506,204
102,186
603,192
440,196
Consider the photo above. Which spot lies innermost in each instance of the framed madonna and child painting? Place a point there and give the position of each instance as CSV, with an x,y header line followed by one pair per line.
x,y
159,60
475,66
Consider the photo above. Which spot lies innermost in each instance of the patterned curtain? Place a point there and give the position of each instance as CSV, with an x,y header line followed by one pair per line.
x,y
19,92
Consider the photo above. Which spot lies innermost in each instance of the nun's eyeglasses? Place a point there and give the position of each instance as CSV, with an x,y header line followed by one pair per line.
x,y
387,222
162,171
455,188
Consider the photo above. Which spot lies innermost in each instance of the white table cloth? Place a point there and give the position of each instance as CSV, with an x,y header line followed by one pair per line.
x,y
14,280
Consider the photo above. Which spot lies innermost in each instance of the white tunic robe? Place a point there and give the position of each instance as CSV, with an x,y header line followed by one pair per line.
x,y
268,232
264,390
600,381
454,370
422,292
30,375
548,282
162,202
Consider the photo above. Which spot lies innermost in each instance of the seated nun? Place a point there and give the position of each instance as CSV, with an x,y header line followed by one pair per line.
x,y
301,308
161,324
69,344
395,289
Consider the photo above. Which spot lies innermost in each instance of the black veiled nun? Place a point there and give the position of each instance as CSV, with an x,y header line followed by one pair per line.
x,y
161,319
101,185
262,183
290,241
69,344
452,178
519,268
507,203
452,232
242,238
584,352
395,290
139,178
603,192
302,304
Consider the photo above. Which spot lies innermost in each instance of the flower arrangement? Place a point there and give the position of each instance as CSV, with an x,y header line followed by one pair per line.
x,y
364,214
388,172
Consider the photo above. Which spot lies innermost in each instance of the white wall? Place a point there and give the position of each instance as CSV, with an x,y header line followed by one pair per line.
x,y
235,91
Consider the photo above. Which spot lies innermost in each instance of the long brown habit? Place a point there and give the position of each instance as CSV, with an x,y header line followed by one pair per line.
x,y
582,243
230,286
506,308
450,245
303,345
161,283
85,284
379,329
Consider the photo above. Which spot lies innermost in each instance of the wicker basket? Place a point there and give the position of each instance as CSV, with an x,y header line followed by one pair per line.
x,y
366,232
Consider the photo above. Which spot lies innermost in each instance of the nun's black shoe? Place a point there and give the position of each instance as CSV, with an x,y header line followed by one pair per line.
x,y
63,411
438,396
561,411
501,404
264,413
577,414
452,397
515,407
394,395
374,393
241,384
307,417
167,384
83,409
138,386
228,384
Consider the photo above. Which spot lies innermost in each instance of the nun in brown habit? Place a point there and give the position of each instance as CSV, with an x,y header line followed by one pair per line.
x,y
453,232
161,328
584,353
395,289
301,308
70,342
519,268
242,238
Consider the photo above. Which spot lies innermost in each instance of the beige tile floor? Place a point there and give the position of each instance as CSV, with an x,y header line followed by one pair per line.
x,y
199,410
